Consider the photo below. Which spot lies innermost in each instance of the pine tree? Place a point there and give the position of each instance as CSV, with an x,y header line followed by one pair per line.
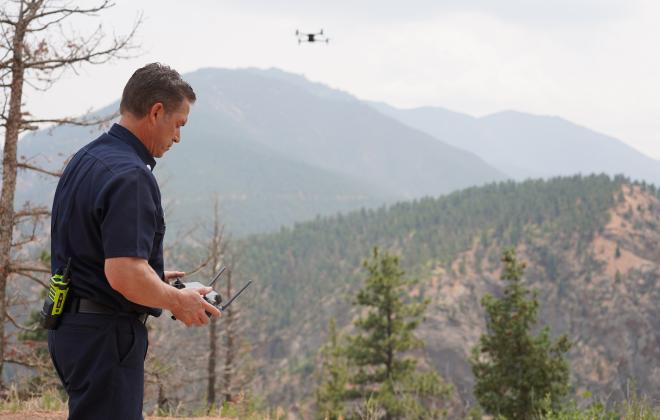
x,y
515,371
331,392
385,334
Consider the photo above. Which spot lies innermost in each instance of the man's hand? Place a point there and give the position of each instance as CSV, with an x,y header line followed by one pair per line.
x,y
171,275
191,308
138,282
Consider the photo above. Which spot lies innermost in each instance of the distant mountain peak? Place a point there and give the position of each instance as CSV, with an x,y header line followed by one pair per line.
x,y
526,145
294,79
512,113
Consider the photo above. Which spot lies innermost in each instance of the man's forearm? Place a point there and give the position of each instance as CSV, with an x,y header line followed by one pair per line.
x,y
138,282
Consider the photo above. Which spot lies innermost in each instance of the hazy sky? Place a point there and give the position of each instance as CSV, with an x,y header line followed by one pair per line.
x,y
594,62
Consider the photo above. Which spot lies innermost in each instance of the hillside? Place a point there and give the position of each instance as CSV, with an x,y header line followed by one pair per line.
x,y
567,229
530,146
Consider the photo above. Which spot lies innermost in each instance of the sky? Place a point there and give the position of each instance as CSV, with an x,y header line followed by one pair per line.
x,y
593,62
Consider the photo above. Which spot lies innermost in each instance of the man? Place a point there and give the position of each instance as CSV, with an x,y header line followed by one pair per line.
x,y
107,217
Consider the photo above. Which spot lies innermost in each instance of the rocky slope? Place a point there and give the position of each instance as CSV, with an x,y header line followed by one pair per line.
x,y
596,273
604,300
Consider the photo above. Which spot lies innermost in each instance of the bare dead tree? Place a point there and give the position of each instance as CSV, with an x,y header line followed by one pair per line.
x,y
232,341
238,369
230,345
221,251
37,49
217,250
163,363
173,376
211,373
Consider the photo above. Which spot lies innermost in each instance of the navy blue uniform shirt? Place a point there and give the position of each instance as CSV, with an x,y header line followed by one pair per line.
x,y
107,204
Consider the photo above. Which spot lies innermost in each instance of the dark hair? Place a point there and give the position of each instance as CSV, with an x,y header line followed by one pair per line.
x,y
151,84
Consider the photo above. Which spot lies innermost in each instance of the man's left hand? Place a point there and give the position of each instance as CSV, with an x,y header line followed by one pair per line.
x,y
171,275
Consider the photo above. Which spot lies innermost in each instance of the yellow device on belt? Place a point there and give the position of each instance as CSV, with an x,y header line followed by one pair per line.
x,y
58,288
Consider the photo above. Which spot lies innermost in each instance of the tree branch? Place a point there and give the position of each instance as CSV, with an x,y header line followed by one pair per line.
x,y
56,63
201,266
86,52
72,121
33,278
31,238
105,5
32,212
18,325
15,268
20,363
23,165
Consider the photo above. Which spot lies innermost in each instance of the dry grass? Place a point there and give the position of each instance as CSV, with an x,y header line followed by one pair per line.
x,y
49,405
33,415
62,415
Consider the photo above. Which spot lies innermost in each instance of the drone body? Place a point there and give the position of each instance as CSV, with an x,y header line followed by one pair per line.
x,y
311,37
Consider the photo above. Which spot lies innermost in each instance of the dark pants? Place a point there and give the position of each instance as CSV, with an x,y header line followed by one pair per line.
x,y
100,360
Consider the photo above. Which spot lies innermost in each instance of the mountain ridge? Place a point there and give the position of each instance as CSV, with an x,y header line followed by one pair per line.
x,y
526,145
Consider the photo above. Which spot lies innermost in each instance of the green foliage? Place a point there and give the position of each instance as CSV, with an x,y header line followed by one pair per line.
x,y
514,370
331,393
249,408
385,334
316,261
304,263
594,410
634,408
638,407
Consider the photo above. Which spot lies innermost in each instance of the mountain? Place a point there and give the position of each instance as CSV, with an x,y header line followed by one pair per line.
x,y
530,146
275,149
590,244
257,189
331,130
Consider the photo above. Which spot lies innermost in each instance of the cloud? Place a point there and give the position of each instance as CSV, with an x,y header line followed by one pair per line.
x,y
390,11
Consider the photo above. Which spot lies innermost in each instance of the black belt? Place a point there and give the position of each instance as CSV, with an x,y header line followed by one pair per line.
x,y
86,306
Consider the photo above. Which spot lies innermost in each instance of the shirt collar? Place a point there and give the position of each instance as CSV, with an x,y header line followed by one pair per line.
x,y
125,135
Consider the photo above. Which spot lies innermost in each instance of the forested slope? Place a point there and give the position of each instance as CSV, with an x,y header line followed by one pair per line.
x,y
589,243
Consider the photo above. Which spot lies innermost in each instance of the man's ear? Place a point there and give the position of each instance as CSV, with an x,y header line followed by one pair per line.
x,y
156,110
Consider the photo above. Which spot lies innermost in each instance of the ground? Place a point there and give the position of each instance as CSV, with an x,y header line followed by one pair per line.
x,y
62,416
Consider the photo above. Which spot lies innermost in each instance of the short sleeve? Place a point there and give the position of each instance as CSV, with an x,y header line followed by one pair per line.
x,y
128,209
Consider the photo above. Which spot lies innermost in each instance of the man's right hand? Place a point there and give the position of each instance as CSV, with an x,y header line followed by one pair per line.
x,y
138,282
191,308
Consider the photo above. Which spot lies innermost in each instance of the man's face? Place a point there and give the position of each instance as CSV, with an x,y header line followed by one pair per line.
x,y
166,127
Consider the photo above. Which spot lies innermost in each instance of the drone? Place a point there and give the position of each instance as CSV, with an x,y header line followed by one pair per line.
x,y
311,37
